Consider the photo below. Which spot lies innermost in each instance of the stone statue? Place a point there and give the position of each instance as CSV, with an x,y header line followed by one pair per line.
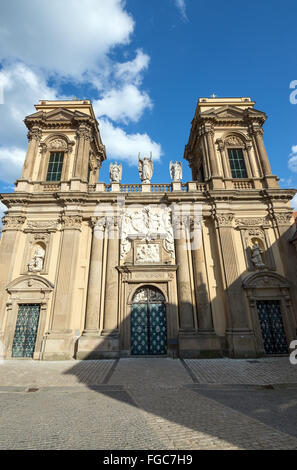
x,y
36,264
145,168
115,172
176,171
257,256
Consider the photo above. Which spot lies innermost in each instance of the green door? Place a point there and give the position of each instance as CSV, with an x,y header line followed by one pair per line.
x,y
148,322
26,330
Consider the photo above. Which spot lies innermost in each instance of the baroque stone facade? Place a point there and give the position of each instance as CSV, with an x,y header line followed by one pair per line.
x,y
199,269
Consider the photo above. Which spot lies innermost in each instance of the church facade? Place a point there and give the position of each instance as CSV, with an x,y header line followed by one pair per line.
x,y
205,268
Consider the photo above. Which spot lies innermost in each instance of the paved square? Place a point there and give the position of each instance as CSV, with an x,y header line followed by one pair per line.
x,y
149,403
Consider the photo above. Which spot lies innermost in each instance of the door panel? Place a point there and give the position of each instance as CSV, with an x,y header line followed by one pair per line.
x,y
139,331
158,337
26,330
272,327
148,322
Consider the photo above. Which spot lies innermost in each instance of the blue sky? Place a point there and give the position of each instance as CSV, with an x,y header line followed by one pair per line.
x,y
144,64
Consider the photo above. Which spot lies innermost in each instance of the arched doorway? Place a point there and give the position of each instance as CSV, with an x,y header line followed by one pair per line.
x,y
148,322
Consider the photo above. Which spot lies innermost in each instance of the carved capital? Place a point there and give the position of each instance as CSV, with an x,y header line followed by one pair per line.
x,y
71,222
224,220
34,134
84,132
284,218
98,224
13,222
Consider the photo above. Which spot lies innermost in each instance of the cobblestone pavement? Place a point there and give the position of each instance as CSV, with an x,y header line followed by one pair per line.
x,y
148,403
262,371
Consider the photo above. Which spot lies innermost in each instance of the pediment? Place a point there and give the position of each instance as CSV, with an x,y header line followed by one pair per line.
x,y
31,282
265,279
233,112
58,114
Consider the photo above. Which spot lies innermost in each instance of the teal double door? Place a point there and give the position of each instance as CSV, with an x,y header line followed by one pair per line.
x,y
148,323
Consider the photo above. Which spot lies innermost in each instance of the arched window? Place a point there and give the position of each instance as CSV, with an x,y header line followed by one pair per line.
x,y
55,166
237,163
236,155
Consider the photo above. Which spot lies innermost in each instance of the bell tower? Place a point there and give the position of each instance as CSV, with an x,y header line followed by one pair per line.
x,y
65,146
226,145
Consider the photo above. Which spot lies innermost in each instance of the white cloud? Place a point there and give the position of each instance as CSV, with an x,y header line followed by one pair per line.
x,y
131,71
70,41
11,163
292,163
181,5
124,104
123,146
68,37
294,202
3,208
23,87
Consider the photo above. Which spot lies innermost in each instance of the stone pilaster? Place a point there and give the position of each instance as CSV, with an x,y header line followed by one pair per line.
x,y
241,341
95,277
205,323
208,343
8,252
90,340
110,322
83,136
60,337
34,137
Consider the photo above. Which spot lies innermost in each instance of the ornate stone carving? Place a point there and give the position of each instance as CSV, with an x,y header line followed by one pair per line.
x,y
233,140
256,233
224,220
115,172
42,224
71,222
13,222
284,218
146,223
256,256
145,168
58,144
176,171
36,263
35,134
148,253
255,221
84,132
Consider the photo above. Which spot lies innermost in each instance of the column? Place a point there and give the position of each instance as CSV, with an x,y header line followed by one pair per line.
x,y
205,322
186,318
254,169
34,137
66,274
211,151
82,152
239,334
95,277
226,168
110,323
262,151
